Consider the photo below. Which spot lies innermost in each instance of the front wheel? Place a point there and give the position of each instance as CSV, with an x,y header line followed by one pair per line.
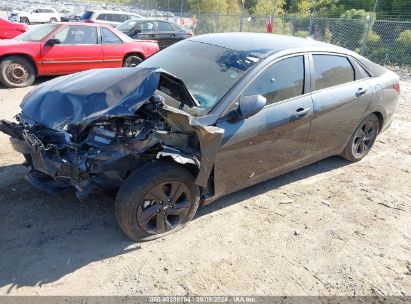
x,y
363,139
17,72
53,20
155,200
25,20
132,60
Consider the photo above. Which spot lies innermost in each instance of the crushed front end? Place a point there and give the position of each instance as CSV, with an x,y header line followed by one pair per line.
x,y
92,143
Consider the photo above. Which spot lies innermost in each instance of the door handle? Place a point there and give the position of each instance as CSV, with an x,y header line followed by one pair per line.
x,y
360,92
299,113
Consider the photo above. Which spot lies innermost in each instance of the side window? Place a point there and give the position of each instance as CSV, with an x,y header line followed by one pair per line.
x,y
165,26
332,70
146,27
104,17
280,81
109,37
118,18
77,34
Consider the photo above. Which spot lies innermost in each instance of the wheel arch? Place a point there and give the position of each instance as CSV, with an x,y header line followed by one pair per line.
x,y
26,56
380,117
139,54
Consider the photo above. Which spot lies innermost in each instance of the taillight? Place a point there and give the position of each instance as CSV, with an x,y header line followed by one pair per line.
x,y
190,34
396,87
88,21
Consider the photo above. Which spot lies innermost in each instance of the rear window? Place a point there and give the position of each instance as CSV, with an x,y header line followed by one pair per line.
x,y
331,71
126,26
86,15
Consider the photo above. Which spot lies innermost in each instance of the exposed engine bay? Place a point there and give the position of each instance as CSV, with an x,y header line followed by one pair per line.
x,y
92,129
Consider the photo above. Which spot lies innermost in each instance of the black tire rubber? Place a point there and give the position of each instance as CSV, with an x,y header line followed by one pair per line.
x,y
25,20
129,56
134,188
53,20
348,153
28,66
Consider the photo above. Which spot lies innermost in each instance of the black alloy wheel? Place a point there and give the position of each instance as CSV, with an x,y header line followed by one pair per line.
x,y
363,139
164,207
158,198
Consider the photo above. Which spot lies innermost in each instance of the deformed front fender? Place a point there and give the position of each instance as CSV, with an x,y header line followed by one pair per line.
x,y
209,138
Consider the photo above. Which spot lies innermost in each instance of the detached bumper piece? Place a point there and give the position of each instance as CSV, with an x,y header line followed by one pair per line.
x,y
45,183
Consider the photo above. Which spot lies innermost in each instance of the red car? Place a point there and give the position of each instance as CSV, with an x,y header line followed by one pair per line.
x,y
9,30
64,48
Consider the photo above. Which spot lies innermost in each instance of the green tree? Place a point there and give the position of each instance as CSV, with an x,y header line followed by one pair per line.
x,y
214,6
268,7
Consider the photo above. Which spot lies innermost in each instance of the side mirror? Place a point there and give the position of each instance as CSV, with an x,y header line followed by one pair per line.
x,y
250,105
137,31
52,42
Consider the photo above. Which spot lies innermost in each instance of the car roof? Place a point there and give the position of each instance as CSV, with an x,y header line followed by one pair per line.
x,y
110,12
263,44
79,23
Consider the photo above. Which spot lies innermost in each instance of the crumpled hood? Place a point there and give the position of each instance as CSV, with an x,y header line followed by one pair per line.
x,y
78,99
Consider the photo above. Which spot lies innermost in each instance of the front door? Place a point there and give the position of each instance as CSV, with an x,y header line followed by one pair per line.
x,y
273,139
78,50
145,30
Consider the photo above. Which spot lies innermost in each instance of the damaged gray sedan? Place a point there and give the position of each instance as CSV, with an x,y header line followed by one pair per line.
x,y
203,118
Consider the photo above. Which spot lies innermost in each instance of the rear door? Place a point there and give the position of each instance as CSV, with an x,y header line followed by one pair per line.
x,y
78,50
166,34
340,96
112,46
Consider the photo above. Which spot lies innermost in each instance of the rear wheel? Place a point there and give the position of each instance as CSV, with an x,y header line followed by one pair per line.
x,y
132,60
155,200
53,20
363,139
17,72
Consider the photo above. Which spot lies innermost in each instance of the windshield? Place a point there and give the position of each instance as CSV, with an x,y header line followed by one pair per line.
x,y
127,26
37,33
208,71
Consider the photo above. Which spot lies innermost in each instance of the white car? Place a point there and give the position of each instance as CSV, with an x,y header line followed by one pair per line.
x,y
112,18
37,15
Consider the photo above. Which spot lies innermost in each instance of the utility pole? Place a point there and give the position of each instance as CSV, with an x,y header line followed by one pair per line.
x,y
181,12
313,12
370,24
242,16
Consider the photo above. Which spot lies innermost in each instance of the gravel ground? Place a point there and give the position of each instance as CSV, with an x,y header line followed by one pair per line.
x,y
247,243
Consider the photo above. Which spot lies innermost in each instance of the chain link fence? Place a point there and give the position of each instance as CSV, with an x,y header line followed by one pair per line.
x,y
385,42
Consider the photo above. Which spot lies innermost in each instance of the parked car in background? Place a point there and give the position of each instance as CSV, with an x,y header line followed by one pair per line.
x,y
223,112
37,15
64,48
165,32
112,18
9,30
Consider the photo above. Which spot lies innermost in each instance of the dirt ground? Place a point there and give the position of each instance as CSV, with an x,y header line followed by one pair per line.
x,y
248,243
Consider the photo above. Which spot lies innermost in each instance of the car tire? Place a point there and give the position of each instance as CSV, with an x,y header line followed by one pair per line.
x,y
53,20
146,207
132,61
25,20
363,139
17,72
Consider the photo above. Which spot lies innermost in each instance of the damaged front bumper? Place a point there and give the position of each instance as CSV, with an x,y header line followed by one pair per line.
x,y
54,169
